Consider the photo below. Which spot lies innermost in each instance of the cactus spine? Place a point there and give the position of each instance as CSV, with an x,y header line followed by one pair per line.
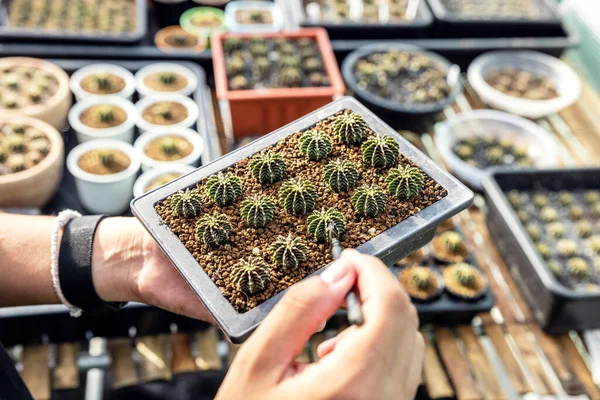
x,y
318,224
250,276
213,229
369,200
380,151
350,128
269,168
315,145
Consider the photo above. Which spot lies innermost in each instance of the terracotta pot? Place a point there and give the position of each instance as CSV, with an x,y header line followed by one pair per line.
x,y
261,111
162,36
35,186
54,110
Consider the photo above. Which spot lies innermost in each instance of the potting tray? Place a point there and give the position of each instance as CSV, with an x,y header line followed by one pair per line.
x,y
557,307
27,34
392,245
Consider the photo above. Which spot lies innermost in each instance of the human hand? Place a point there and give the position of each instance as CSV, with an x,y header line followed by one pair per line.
x,y
381,359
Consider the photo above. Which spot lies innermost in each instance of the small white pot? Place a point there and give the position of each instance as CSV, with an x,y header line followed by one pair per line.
x,y
80,74
104,194
192,159
143,90
144,180
124,132
192,107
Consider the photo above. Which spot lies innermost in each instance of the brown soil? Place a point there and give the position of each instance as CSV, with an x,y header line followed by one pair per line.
x,y
23,86
414,258
153,149
154,82
218,262
181,40
463,291
251,17
206,21
442,254
90,117
90,162
89,84
152,113
414,292
161,180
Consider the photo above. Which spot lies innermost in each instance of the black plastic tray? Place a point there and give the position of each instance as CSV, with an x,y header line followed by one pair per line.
x,y
392,245
557,308
12,34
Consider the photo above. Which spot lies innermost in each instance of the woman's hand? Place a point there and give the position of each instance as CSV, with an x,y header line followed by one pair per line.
x,y
382,359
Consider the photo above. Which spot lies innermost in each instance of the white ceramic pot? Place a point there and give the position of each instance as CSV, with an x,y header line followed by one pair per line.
x,y
189,104
80,74
147,177
188,74
192,159
104,194
123,132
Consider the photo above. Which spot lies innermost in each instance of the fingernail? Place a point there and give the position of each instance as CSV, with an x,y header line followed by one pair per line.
x,y
335,272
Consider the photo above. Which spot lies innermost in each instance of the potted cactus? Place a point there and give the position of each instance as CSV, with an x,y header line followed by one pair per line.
x,y
253,16
166,110
102,80
158,78
175,39
421,283
164,147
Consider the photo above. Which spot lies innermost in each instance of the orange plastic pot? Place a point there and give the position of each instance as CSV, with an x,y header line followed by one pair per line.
x,y
257,112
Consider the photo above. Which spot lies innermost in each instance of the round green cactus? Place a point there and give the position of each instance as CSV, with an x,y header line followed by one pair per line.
x,y
224,189
103,81
167,78
555,267
452,241
239,82
318,224
213,229
540,200
186,204
421,278
350,128
591,196
289,251
494,155
556,229
405,182
576,213
544,250
565,198
534,232
232,44
578,267
16,143
369,200
107,159
515,199
268,168
250,276
235,65
567,247
548,214
380,151
315,145
341,176
298,196
290,77
464,151
584,229
465,274
289,61
169,146
523,216
258,211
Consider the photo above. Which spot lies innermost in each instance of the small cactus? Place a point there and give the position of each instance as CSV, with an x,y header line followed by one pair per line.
x,y
556,229
290,77
106,158
258,211
421,278
239,82
169,146
233,44
315,145
318,224
250,276
103,81
3,154
41,145
163,109
235,65
465,274
405,182
540,200
16,162
523,216
289,61
576,213
288,251
515,199
224,189
167,78
341,176
583,229
298,196
350,128
105,113
565,198
591,196
268,168
555,267
544,250
534,232
380,151
464,151
213,229
578,267
452,241
494,155
15,143
594,243
548,214
596,210
567,247
311,64
186,204
369,200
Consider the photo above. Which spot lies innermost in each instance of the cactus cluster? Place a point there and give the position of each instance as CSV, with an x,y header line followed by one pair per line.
x,y
405,182
258,210
350,128
319,223
288,251
186,204
465,274
224,189
213,229
18,150
380,151
298,196
268,168
341,175
250,276
369,200
315,144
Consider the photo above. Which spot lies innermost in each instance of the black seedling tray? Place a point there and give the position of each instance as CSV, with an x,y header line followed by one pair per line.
x,y
556,307
392,245
26,34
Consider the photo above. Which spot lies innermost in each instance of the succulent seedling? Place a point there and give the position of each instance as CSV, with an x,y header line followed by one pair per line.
x,y
318,224
556,229
105,113
591,197
405,182
452,241
288,251
583,229
257,17
16,162
567,247
465,274
350,128
565,198
213,229
596,210
298,196
369,200
578,268
224,189
311,64
464,151
163,109
258,210
315,144
239,82
167,78
262,65
380,151
169,146
19,129
186,204
268,168
421,278
555,267
40,145
594,243
103,81
515,199
235,65
494,155
340,175
3,154
232,44
548,214
250,276
534,232
35,95
523,216
259,49
576,213
289,61
544,250
16,143
540,200
290,77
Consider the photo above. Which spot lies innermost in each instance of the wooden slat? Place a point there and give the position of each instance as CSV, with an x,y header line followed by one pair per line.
x,y
207,355
435,379
36,372
181,349
154,363
456,365
121,365
579,367
66,372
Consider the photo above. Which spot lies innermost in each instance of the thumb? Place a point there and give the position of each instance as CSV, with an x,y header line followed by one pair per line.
x,y
283,334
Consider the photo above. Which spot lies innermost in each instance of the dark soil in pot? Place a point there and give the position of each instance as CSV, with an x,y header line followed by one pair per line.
x,y
522,84
104,83
165,113
165,81
169,148
104,161
103,116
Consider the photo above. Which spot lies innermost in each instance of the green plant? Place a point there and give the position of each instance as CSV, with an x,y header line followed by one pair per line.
x,y
464,151
565,198
380,151
596,210
340,175
290,76
544,250
289,251
494,155
289,61
16,143
350,128
262,65
186,204
452,242
405,182
318,224
224,189
594,243
548,214
40,145
258,210
315,144
591,196
555,267
16,162
163,109
213,229
567,247
167,78
239,82
105,113
311,64
298,196
464,274
576,213
515,199
556,229
250,276
169,146
369,200
578,267
3,154
523,216
268,168
584,229
534,232
540,200
103,81
235,65
421,278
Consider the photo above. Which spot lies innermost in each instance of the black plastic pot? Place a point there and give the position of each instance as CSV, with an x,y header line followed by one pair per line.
x,y
394,113
556,307
167,12
392,245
